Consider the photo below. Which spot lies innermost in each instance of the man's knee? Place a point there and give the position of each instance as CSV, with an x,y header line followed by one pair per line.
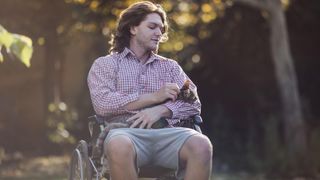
x,y
119,147
198,147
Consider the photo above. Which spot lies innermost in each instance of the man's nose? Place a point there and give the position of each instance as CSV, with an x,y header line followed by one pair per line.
x,y
158,32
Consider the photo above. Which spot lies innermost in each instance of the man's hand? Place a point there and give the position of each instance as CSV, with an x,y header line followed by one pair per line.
x,y
168,91
147,117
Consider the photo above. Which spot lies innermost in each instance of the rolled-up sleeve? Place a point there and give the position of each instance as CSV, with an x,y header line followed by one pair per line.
x,y
180,109
102,86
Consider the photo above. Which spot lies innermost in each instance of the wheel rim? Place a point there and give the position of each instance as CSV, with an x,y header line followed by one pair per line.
x,y
80,165
76,166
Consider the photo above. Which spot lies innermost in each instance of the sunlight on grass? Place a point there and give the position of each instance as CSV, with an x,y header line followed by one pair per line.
x,y
57,168
51,168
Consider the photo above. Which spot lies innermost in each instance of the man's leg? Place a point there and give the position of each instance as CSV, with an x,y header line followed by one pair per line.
x,y
121,157
196,156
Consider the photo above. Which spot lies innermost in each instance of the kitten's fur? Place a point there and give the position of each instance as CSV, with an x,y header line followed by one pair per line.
x,y
186,94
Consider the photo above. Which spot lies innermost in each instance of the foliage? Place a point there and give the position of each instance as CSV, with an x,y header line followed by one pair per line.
x,y
188,21
19,45
60,119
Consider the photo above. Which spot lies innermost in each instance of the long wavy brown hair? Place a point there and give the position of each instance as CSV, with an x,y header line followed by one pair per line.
x,y
133,16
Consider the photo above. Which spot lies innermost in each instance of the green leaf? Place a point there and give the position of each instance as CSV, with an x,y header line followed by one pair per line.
x,y
1,56
6,38
22,48
19,45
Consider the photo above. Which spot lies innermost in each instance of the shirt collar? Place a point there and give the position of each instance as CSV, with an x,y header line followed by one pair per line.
x,y
126,51
152,58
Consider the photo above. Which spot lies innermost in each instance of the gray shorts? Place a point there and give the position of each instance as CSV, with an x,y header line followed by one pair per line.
x,y
156,147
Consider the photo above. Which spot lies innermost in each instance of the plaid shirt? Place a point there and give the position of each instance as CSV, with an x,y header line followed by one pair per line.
x,y
120,78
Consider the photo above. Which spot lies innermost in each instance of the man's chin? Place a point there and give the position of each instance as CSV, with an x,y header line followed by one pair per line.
x,y
154,48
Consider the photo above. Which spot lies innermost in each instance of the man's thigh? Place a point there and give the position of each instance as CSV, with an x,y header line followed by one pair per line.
x,y
159,147
141,146
168,145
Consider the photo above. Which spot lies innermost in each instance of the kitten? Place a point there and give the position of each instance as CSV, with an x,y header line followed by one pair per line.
x,y
186,95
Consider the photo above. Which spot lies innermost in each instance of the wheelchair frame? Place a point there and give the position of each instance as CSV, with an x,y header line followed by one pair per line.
x,y
84,167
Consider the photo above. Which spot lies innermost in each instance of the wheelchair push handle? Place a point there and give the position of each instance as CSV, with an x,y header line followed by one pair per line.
x,y
197,119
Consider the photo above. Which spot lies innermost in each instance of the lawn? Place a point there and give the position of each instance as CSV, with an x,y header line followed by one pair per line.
x,y
56,168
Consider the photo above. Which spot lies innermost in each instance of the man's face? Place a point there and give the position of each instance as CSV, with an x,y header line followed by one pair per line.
x,y
148,34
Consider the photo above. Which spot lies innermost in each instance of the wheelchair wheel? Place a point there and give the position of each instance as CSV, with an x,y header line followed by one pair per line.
x,y
80,167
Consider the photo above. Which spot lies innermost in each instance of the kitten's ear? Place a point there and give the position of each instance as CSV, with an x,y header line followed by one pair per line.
x,y
186,85
193,96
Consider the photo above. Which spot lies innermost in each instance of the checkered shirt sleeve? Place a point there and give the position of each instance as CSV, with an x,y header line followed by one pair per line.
x,y
179,108
105,98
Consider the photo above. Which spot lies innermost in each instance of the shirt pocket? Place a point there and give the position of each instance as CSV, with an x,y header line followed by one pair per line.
x,y
163,77
127,82
158,76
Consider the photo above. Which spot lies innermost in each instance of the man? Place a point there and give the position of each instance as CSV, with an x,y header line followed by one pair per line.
x,y
136,83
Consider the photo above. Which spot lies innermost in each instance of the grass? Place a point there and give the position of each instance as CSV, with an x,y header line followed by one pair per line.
x,y
49,168
56,168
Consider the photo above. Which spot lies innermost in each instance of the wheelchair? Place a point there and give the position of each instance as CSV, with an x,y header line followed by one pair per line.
x,y
84,166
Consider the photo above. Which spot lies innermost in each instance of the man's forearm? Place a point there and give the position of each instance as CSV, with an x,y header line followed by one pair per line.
x,y
168,91
145,100
163,111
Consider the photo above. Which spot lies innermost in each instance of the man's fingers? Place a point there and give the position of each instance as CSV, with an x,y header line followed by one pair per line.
x,y
143,125
136,123
176,89
175,94
172,95
172,85
149,125
132,118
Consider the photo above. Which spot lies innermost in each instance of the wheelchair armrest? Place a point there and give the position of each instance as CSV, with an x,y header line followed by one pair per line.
x,y
96,118
96,125
197,119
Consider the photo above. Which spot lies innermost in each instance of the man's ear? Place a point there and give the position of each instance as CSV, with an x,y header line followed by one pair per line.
x,y
133,30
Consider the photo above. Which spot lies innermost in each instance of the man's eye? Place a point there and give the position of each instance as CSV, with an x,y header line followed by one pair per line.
x,y
152,27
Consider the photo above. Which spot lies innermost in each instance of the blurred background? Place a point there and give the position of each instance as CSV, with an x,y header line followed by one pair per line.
x,y
255,62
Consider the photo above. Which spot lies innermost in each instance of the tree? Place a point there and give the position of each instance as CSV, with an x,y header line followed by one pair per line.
x,y
294,125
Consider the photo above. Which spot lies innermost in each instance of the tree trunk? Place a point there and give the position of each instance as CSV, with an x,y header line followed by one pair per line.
x,y
295,135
